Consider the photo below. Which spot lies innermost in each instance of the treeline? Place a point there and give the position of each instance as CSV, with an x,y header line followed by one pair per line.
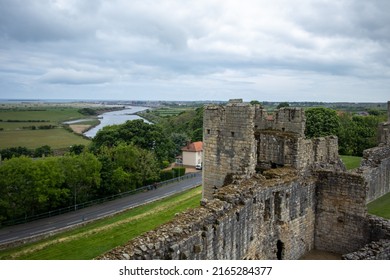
x,y
9,153
18,121
355,133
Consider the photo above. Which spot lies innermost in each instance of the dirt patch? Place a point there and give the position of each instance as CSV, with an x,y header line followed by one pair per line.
x,y
321,255
79,128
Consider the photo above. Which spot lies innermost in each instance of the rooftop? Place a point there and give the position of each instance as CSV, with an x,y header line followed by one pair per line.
x,y
193,147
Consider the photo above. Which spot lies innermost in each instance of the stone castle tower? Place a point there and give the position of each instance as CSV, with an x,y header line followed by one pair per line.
x,y
384,129
241,139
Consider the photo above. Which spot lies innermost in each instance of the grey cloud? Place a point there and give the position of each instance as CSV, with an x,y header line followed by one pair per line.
x,y
180,46
74,77
39,21
354,19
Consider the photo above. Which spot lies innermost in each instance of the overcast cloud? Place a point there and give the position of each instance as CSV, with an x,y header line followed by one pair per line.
x,y
279,50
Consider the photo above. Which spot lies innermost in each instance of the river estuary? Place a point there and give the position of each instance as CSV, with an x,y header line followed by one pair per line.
x,y
114,117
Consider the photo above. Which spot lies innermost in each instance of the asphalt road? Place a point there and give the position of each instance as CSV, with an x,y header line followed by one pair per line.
x,y
61,222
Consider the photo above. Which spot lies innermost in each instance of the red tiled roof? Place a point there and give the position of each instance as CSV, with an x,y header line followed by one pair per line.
x,y
193,147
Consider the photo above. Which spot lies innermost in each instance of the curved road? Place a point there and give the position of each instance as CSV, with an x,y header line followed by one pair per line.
x,y
61,222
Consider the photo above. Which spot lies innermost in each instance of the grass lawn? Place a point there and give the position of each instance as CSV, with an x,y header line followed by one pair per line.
x,y
380,207
101,236
351,162
55,138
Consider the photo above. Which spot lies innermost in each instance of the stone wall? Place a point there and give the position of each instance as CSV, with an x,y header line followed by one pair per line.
x,y
258,218
379,248
375,167
384,129
276,149
285,119
317,150
341,212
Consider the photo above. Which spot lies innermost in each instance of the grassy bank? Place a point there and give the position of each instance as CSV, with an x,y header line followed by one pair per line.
x,y
380,207
98,237
351,162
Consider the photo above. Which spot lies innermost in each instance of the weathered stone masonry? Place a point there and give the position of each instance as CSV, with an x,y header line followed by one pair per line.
x,y
270,193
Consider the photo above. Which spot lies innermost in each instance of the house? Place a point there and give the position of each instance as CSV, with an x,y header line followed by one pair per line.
x,y
192,154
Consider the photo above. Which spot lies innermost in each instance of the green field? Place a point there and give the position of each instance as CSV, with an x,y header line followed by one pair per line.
x,y
351,162
170,111
55,138
101,236
380,207
55,115
15,123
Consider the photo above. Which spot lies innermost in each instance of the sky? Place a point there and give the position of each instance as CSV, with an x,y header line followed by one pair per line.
x,y
266,50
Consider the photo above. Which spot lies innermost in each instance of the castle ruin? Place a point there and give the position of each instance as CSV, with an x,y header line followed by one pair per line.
x,y
270,193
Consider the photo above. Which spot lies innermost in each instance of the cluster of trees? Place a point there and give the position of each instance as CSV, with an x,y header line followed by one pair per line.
x,y
35,127
183,128
356,133
120,158
9,153
30,186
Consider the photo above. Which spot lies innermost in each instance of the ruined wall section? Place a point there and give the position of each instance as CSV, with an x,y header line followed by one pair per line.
x,y
384,133
276,149
379,248
228,144
375,167
341,212
317,150
257,219
285,120
384,129
281,141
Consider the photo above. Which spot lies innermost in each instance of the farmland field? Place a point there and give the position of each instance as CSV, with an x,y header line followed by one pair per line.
x,y
21,126
55,138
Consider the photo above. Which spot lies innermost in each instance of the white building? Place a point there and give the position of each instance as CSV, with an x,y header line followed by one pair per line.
x,y
193,154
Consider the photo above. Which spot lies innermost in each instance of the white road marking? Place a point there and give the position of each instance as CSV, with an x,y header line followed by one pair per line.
x,y
74,222
43,230
9,239
106,213
170,193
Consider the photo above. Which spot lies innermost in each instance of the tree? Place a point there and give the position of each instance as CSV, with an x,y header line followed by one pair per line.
x,y
126,167
77,149
82,175
283,105
321,122
347,135
143,135
255,102
29,186
357,133
15,152
179,140
43,151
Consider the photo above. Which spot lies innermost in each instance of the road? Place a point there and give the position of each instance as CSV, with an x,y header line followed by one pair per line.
x,y
59,223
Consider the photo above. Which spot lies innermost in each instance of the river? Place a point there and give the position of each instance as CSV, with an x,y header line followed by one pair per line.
x,y
115,117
